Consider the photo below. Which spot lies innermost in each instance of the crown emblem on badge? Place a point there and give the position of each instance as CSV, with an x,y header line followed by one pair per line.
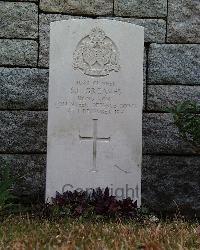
x,y
96,54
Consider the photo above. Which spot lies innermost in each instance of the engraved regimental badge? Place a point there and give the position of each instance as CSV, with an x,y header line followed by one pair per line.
x,y
96,54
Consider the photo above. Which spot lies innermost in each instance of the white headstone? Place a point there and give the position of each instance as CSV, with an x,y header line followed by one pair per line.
x,y
95,107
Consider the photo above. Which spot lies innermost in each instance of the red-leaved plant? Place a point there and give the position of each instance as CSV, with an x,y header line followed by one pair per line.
x,y
97,203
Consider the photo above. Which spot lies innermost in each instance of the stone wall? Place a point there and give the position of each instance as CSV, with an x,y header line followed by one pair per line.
x,y
171,171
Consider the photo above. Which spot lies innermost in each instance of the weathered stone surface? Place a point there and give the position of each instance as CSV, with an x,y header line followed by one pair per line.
x,y
183,21
23,88
161,97
92,101
168,182
44,30
160,136
29,1
171,183
18,52
140,8
137,22
26,132
174,64
81,7
29,173
144,78
154,29
23,131
18,20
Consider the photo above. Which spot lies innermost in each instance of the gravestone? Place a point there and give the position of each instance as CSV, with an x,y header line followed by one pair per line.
x,y
95,107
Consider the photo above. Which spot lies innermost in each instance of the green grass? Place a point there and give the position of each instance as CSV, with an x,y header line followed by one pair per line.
x,y
22,232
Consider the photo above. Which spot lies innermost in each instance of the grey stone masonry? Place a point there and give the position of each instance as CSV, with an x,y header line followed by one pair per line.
x,y
140,8
155,29
174,64
183,21
160,136
18,52
171,183
81,7
23,131
171,75
23,88
167,181
29,174
44,35
154,32
18,20
162,97
144,78
36,1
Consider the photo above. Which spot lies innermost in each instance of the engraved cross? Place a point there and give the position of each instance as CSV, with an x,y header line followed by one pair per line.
x,y
95,139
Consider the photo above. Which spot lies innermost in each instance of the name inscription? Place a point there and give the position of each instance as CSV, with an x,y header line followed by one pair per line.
x,y
95,97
